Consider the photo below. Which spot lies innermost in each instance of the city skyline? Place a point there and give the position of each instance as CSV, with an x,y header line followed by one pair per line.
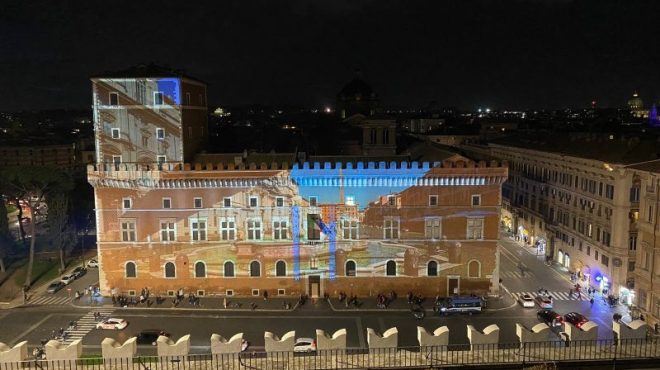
x,y
515,55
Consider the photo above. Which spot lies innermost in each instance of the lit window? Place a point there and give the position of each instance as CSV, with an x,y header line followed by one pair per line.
x,y
167,231
197,202
475,228
254,229
227,228
128,231
114,98
198,229
391,228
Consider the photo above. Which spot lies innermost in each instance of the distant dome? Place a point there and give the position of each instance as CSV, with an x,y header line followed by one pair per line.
x,y
357,89
635,102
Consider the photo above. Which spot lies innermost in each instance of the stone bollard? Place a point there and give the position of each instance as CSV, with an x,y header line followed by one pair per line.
x,y
115,352
486,339
333,344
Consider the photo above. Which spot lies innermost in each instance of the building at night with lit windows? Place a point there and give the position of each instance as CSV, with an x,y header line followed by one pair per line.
x,y
226,228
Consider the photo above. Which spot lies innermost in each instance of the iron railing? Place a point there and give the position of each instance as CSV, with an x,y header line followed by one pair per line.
x,y
383,358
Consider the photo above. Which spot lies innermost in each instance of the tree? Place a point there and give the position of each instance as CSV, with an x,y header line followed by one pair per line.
x,y
61,229
31,184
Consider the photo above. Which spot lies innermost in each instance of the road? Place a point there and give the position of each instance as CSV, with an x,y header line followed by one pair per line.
x,y
38,322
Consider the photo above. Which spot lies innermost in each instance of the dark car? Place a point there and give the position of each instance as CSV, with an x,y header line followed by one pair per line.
x,y
55,286
550,317
150,336
78,272
575,319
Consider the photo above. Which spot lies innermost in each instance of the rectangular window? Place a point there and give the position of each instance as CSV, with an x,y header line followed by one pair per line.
x,y
227,228
188,100
609,191
279,202
114,98
116,134
158,98
475,228
226,202
605,260
254,229
198,229
167,231
433,200
128,231
167,203
588,250
476,200
160,134
161,159
280,228
391,228
632,242
650,215
634,194
372,136
313,227
127,203
596,255
432,228
197,202
313,201
349,229
254,202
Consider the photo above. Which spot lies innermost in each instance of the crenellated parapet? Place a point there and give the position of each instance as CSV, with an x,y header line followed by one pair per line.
x,y
349,174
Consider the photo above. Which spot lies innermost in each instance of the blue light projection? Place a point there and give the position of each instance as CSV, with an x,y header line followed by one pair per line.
x,y
170,88
331,231
653,116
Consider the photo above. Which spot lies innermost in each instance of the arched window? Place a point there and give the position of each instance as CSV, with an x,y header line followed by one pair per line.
x,y
474,269
390,268
229,269
350,268
200,269
280,268
255,269
131,270
170,270
432,268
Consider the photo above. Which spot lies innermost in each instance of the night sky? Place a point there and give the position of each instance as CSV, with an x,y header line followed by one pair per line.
x,y
502,54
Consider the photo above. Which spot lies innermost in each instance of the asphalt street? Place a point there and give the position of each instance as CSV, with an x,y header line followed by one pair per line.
x,y
36,322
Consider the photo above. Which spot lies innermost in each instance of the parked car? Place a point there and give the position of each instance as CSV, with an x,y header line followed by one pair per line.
x,y
55,286
544,301
526,301
67,279
113,324
304,345
150,336
92,263
550,317
79,272
576,319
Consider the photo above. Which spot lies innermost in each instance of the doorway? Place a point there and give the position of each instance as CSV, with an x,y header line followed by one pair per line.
x,y
315,286
453,285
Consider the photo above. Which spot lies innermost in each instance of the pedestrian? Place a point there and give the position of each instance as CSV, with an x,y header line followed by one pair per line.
x,y
570,293
224,302
592,302
265,295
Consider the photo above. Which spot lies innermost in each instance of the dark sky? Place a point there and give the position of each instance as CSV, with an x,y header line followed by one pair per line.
x,y
497,53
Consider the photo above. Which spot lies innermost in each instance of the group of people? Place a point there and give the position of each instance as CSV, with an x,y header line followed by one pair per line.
x,y
415,299
348,301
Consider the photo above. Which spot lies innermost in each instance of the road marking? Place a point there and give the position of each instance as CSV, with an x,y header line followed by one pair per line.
x,y
87,323
49,300
30,329
509,255
358,323
558,296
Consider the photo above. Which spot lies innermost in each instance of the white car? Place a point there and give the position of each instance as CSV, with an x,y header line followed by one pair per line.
x,y
112,324
526,301
67,279
92,263
304,345
544,301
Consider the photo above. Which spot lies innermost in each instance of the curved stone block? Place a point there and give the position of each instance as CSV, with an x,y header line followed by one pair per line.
x,y
635,330
168,348
220,345
112,349
336,342
17,353
487,339
56,350
440,337
588,331
389,339
274,344
538,333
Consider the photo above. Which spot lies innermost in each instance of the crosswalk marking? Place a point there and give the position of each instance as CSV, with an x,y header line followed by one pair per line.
x,y
516,274
49,300
560,296
87,323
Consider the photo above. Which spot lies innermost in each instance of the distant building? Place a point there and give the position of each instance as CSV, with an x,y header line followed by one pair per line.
x,y
63,156
356,97
636,106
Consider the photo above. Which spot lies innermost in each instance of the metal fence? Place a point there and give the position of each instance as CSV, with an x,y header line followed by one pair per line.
x,y
406,357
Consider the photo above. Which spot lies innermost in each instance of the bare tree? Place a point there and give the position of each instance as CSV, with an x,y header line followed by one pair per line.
x,y
61,229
